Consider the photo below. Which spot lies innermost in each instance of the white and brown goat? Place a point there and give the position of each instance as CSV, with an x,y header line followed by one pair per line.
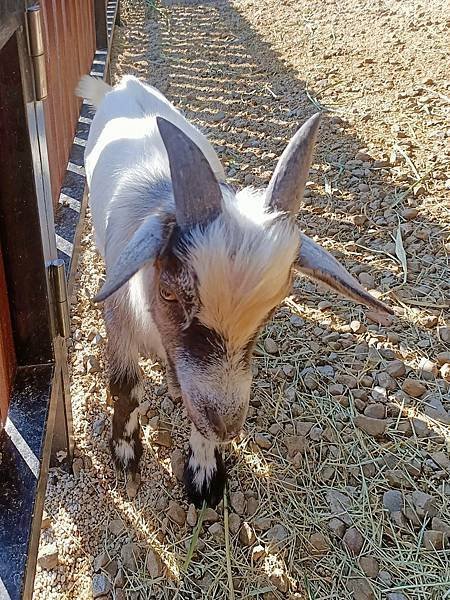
x,y
193,269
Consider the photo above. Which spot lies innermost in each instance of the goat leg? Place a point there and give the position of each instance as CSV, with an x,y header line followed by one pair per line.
x,y
204,474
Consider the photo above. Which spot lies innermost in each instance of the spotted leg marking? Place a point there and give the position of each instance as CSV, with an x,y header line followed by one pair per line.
x,y
204,474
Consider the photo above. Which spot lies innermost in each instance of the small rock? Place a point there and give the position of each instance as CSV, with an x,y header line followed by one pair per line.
x,y
234,523
99,425
77,466
373,427
295,444
348,380
176,513
279,579
387,381
367,280
439,525
163,438
396,368
210,515
263,523
385,578
443,358
92,365
119,594
410,213
441,459
397,478
237,501
119,580
100,561
357,327
369,566
393,501
167,405
263,441
420,428
191,516
413,388
434,408
353,540
316,433
324,305
153,564
277,535
424,504
47,521
111,568
396,596
252,505
375,411
270,346
100,585
177,462
444,334
258,552
337,527
336,389
116,527
247,536
360,588
427,368
445,372
130,554
339,505
434,540
296,321
319,543
48,556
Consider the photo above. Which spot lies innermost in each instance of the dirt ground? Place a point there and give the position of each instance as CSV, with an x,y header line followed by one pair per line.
x,y
340,487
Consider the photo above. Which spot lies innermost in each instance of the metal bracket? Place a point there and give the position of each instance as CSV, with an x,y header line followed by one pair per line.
x,y
37,50
59,286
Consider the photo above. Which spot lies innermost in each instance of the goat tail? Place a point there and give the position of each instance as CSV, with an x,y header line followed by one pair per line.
x,y
92,89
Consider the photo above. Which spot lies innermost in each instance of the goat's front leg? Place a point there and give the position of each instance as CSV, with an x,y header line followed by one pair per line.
x,y
127,390
204,474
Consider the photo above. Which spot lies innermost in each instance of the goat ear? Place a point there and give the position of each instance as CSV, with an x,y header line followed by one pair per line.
x,y
318,264
146,244
285,191
198,198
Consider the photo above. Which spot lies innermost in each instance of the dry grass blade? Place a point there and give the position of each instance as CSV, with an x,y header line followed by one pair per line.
x,y
227,545
400,252
194,539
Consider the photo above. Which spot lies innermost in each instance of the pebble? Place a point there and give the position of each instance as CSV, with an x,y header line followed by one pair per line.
x,y
387,381
396,368
410,213
167,405
100,585
217,531
337,527
441,459
263,523
153,564
252,505
353,540
263,441
360,588
428,369
163,438
434,540
92,365
132,486
373,427
397,479
295,444
375,411
370,566
258,552
396,596
191,516
100,561
234,523
210,515
319,543
393,501
336,389
177,462
434,408
270,346
413,388
176,513
339,504
445,372
444,334
439,525
47,521
237,501
277,535
279,579
247,536
129,554
48,556
424,504
443,358
367,280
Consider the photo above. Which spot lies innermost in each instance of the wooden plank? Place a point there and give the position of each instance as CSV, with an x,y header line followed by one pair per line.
x,y
7,352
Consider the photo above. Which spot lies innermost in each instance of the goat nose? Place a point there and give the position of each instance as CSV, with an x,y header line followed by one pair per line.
x,y
217,423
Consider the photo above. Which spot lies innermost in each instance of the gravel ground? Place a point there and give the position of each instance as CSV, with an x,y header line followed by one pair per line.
x,y
340,487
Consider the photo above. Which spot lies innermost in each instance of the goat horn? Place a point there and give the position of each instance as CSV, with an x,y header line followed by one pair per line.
x,y
288,181
198,198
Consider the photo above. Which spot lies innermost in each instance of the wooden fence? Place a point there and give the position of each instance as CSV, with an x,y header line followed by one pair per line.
x,y
70,43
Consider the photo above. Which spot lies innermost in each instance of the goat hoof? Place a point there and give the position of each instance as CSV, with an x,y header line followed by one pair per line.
x,y
205,485
127,452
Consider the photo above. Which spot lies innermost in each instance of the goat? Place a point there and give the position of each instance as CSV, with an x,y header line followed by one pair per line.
x,y
193,269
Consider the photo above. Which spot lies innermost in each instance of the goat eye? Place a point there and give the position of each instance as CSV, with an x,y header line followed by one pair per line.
x,y
167,295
